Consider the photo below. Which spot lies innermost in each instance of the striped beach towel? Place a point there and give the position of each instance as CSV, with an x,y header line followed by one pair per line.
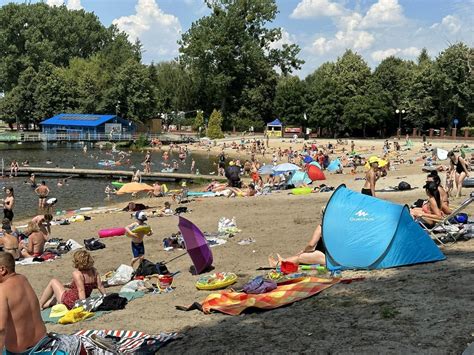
x,y
124,341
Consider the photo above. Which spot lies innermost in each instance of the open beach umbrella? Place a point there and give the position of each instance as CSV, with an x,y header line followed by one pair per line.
x,y
134,187
196,245
286,167
266,170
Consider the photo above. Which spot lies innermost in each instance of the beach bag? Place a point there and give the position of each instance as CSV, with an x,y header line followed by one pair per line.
x,y
145,268
404,186
259,285
93,244
122,275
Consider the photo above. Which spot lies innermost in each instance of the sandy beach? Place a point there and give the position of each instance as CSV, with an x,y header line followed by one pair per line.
x,y
425,308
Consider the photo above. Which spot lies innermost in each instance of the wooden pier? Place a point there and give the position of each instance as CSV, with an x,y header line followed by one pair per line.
x,y
114,174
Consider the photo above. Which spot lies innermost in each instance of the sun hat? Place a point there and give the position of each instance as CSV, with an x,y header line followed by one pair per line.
x,y
58,311
231,163
141,216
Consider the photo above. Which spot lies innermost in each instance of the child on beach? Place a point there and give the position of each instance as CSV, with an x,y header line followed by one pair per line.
x,y
137,235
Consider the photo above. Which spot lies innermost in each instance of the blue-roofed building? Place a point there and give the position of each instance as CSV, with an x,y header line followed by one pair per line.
x,y
84,125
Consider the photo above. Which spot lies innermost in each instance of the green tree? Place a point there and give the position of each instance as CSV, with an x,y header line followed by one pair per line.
x,y
289,102
453,84
198,123
214,127
391,83
232,60
133,92
33,33
420,100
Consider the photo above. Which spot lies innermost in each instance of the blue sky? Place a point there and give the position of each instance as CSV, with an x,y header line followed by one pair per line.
x,y
322,28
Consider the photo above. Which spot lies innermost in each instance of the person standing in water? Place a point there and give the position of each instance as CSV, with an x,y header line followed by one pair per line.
x,y
9,203
147,162
42,191
371,177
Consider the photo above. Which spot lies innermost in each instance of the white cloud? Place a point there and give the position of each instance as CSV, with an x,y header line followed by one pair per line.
x,y
451,23
317,8
157,30
54,2
409,52
383,12
71,4
358,40
74,5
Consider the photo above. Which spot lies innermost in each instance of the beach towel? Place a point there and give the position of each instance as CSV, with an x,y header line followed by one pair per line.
x,y
130,296
234,303
123,341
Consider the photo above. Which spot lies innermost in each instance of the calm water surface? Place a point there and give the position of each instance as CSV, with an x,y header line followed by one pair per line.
x,y
79,192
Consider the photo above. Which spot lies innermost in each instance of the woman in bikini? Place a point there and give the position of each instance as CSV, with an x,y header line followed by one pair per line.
x,y
460,166
431,210
85,279
433,176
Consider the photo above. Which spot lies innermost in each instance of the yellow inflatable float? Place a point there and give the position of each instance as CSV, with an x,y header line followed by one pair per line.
x,y
216,281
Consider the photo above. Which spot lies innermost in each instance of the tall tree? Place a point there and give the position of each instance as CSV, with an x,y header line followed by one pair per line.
x,y
231,56
453,83
289,102
33,33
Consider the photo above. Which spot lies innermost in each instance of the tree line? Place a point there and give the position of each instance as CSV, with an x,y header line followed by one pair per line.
x,y
58,60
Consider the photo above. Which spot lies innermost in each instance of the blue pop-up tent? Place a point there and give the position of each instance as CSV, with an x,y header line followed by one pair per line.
x,y
363,232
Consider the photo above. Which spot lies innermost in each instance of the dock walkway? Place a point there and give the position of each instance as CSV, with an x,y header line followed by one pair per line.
x,y
114,174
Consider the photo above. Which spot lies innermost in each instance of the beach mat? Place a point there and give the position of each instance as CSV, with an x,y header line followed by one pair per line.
x,y
130,296
124,341
234,303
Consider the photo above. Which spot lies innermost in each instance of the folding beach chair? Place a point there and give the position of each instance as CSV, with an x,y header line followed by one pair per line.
x,y
445,229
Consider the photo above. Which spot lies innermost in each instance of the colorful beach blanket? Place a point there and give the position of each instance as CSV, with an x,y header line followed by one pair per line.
x,y
234,303
123,341
130,296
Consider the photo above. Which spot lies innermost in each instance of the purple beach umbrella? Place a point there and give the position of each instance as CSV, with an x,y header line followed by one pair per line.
x,y
196,245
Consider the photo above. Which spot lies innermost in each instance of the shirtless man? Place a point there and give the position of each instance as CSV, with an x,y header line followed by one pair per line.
x,y
21,327
44,223
157,192
42,191
371,177
36,242
8,241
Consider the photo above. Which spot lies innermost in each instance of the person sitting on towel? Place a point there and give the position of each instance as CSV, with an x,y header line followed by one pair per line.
x,y
85,279
34,247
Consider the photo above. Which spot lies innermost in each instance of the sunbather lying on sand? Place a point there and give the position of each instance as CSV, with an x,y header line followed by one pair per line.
x,y
309,255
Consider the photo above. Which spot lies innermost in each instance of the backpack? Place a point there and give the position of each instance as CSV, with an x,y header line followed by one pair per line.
x,y
93,244
403,186
147,268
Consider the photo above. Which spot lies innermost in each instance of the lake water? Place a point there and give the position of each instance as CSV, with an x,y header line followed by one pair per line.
x,y
79,192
